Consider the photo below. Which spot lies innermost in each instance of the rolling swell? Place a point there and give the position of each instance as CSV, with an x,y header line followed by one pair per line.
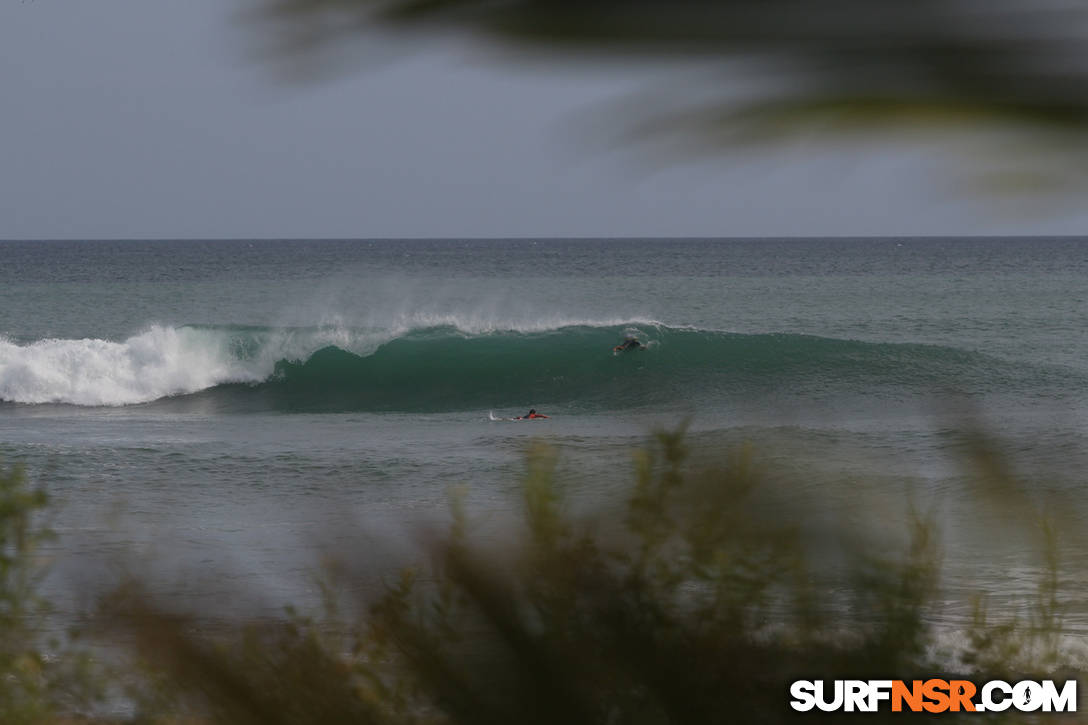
x,y
447,368
443,369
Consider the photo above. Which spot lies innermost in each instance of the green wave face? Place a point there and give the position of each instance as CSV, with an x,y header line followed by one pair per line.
x,y
442,369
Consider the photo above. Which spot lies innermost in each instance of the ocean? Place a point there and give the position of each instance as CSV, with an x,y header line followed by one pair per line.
x,y
222,412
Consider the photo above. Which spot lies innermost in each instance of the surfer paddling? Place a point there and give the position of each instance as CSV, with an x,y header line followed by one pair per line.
x,y
630,343
532,414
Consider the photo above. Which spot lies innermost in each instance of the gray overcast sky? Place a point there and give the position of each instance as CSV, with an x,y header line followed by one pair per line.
x,y
136,119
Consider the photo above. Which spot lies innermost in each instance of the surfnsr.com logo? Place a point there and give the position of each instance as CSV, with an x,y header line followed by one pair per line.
x,y
933,696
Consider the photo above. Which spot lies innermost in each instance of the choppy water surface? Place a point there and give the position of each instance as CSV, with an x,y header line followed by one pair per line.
x,y
226,405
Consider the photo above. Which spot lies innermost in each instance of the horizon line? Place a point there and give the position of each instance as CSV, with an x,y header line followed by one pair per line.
x,y
787,237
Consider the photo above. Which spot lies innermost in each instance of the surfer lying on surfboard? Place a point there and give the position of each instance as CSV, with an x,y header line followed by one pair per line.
x,y
631,343
530,415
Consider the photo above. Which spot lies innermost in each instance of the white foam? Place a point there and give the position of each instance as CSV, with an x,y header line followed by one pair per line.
x,y
484,324
165,361
160,362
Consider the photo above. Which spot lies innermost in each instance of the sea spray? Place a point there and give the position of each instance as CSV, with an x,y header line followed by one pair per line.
x,y
160,362
418,366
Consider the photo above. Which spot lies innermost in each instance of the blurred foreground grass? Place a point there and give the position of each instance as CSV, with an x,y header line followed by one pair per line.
x,y
698,598
999,87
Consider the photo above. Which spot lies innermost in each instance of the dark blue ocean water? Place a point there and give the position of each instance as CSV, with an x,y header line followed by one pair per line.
x,y
229,405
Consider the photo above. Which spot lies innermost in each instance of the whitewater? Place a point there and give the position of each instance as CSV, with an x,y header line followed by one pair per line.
x,y
460,366
166,361
242,400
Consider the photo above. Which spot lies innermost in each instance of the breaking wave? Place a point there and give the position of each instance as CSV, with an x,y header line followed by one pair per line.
x,y
449,366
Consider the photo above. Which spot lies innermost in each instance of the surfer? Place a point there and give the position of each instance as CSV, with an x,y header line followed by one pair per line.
x,y
631,343
530,415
